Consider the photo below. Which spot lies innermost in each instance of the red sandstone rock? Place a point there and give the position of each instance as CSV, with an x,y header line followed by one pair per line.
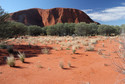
x,y
46,17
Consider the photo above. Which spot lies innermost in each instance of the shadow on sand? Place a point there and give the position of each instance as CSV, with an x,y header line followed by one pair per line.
x,y
30,51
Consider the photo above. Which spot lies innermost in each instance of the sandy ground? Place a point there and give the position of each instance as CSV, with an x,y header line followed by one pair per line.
x,y
86,67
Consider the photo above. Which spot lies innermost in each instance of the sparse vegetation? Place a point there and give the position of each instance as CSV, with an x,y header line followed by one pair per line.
x,y
21,56
45,51
69,64
11,61
90,48
39,66
61,65
100,52
103,45
74,49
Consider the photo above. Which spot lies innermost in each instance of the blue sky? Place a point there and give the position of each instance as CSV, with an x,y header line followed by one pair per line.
x,y
110,12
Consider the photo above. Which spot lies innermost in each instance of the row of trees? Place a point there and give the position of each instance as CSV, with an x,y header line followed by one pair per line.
x,y
11,28
82,29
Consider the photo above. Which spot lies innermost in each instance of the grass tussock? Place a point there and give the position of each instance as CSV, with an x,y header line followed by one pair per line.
x,y
45,51
21,57
61,65
11,61
90,48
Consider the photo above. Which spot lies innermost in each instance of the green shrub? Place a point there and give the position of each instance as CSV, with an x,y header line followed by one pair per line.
x,y
34,30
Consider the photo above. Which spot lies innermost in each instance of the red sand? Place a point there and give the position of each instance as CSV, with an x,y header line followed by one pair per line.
x,y
87,67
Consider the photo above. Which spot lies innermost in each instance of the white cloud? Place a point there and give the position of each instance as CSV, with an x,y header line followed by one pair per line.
x,y
122,3
109,14
87,10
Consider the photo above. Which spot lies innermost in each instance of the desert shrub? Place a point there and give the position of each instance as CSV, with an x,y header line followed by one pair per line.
x,y
60,29
61,65
57,29
73,49
21,56
51,30
103,45
11,29
93,41
11,61
39,66
17,28
67,48
85,43
34,30
69,64
45,51
90,48
100,52
106,30
69,28
81,29
44,30
92,29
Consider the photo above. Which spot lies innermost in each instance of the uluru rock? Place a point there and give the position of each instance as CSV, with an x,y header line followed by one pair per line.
x,y
46,17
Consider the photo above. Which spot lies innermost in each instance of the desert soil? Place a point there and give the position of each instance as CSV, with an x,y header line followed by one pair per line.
x,y
87,67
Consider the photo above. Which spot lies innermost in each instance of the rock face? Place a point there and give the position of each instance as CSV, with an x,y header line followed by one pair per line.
x,y
46,17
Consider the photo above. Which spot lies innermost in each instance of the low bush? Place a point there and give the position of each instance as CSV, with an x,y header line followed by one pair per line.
x,y
21,56
90,48
45,51
11,61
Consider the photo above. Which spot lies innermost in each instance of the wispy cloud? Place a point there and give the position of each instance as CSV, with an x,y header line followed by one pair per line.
x,y
122,3
87,10
110,14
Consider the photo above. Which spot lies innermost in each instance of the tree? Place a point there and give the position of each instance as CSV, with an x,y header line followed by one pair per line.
x,y
3,24
70,28
106,30
51,30
93,29
34,30
60,30
123,28
3,16
82,29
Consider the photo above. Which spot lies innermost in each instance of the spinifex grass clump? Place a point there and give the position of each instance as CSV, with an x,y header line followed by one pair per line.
x,y
21,57
93,41
100,52
73,49
61,65
103,45
85,43
69,64
90,48
11,61
45,51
